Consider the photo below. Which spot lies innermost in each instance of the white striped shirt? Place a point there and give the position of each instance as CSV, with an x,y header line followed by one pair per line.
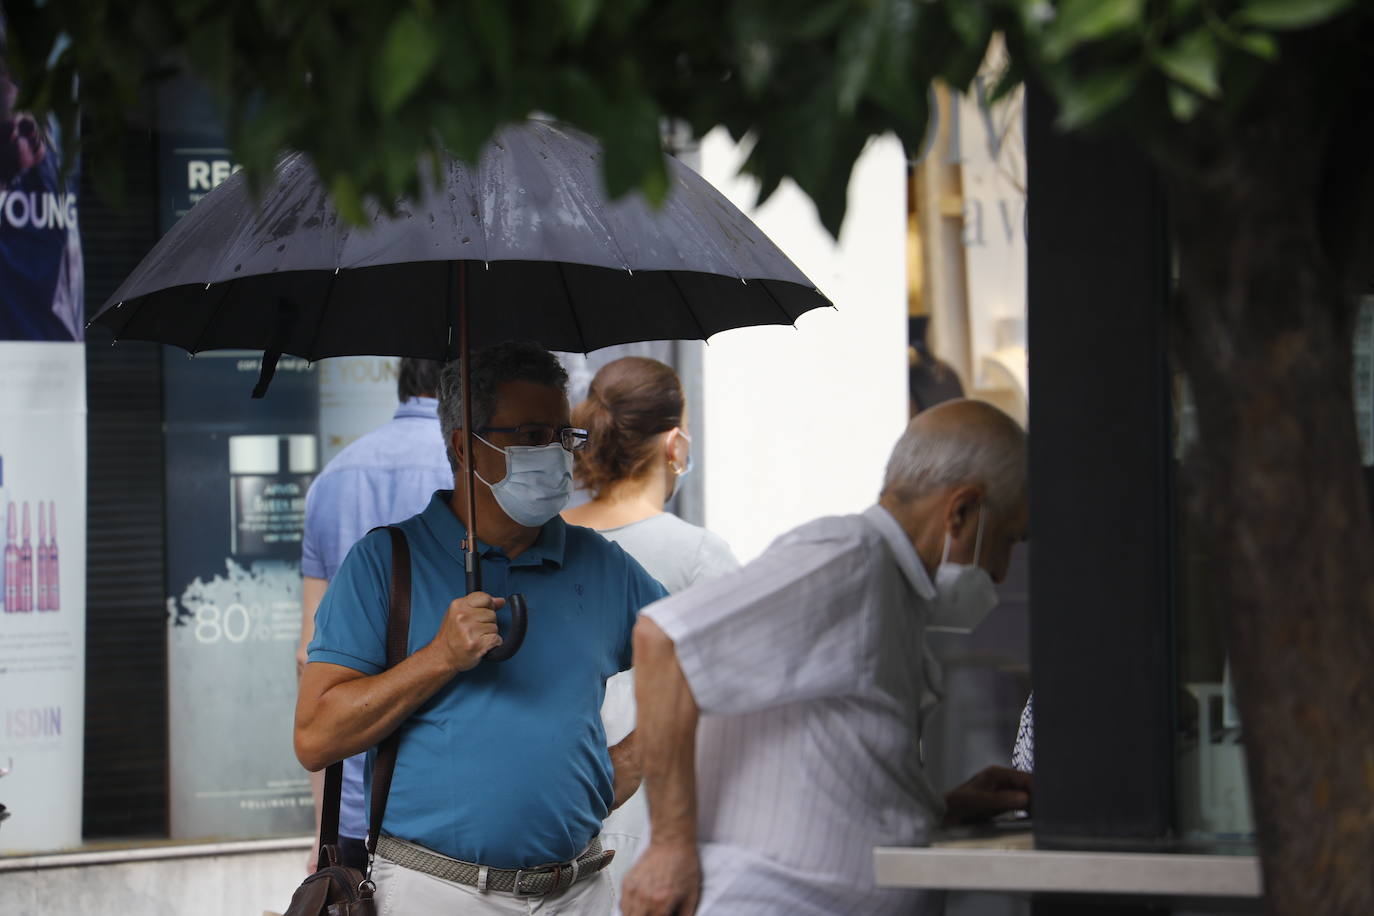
x,y
813,677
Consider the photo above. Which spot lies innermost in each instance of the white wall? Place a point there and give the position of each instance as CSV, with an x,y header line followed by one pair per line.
x,y
239,884
799,422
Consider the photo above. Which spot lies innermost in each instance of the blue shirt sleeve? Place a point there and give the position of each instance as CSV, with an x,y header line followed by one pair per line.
x,y
350,626
641,590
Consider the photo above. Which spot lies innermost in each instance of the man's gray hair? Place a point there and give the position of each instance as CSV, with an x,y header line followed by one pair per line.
x,y
519,360
960,442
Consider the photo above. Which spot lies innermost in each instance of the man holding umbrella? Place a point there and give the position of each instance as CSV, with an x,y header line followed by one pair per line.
x,y
502,776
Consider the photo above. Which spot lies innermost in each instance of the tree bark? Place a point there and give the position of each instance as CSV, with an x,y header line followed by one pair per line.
x,y
1266,343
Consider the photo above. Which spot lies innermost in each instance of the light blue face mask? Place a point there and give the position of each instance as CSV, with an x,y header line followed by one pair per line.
x,y
538,482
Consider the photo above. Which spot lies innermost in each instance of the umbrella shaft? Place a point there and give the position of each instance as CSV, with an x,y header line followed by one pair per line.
x,y
473,567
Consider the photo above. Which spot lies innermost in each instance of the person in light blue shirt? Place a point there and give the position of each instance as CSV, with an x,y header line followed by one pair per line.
x,y
503,775
383,477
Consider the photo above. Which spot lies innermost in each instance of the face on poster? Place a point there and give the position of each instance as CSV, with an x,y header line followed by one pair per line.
x,y
41,277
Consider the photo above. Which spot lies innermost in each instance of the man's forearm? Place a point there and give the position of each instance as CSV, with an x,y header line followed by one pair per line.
x,y
339,718
626,772
666,736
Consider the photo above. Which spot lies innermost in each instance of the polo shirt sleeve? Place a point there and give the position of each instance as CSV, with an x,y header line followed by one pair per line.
x,y
320,541
789,626
641,590
350,626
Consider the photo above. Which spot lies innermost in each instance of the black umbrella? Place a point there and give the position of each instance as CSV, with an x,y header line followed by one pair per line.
x,y
528,236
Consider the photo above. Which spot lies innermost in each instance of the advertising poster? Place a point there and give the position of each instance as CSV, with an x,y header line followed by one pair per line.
x,y
357,395
42,489
43,592
237,473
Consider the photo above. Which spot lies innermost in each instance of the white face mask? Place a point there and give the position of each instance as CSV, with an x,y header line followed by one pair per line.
x,y
537,485
964,594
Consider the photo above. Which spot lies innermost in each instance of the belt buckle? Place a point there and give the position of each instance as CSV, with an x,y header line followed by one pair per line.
x,y
518,891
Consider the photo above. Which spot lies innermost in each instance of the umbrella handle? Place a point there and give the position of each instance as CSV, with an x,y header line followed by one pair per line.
x,y
515,637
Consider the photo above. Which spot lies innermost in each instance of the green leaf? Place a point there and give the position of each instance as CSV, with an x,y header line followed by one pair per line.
x,y
1010,78
346,200
756,57
858,54
493,31
812,20
580,14
964,63
1078,22
1182,103
1084,101
466,128
911,124
633,155
1261,44
969,20
1194,61
408,54
1291,14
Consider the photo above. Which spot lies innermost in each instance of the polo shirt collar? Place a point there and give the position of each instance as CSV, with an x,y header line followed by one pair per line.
x,y
450,532
902,549
417,407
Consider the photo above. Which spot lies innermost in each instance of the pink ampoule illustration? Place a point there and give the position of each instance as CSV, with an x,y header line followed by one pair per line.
x,y
40,562
54,570
26,567
11,563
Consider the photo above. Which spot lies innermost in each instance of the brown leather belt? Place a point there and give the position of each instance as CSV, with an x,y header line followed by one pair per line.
x,y
538,881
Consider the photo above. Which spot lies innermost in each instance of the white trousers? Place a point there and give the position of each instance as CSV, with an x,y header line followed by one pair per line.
x,y
405,892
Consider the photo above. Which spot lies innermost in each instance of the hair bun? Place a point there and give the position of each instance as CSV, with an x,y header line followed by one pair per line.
x,y
630,401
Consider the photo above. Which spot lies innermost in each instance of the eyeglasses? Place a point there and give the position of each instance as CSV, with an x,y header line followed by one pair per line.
x,y
537,434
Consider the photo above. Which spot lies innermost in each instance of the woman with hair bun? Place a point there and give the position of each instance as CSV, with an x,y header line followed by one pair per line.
x,y
638,449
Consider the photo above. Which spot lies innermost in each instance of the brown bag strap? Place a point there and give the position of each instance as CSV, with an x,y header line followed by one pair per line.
x,y
397,638
329,813
397,644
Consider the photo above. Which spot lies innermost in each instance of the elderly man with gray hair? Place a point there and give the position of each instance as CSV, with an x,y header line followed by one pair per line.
x,y
781,707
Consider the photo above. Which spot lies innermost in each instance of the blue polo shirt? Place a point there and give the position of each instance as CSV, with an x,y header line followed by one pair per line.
x,y
506,765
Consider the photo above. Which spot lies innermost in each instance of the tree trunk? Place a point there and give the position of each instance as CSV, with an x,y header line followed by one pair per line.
x,y
1266,343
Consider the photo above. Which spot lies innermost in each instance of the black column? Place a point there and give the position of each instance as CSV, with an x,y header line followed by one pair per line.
x,y
1101,634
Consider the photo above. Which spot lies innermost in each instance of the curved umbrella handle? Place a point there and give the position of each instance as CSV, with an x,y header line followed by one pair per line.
x,y
515,638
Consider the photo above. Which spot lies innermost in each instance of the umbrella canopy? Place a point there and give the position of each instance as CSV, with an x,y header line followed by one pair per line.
x,y
525,245
549,258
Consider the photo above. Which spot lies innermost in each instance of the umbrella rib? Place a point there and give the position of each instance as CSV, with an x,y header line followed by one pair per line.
x,y
133,313
567,294
205,328
687,303
324,309
788,319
